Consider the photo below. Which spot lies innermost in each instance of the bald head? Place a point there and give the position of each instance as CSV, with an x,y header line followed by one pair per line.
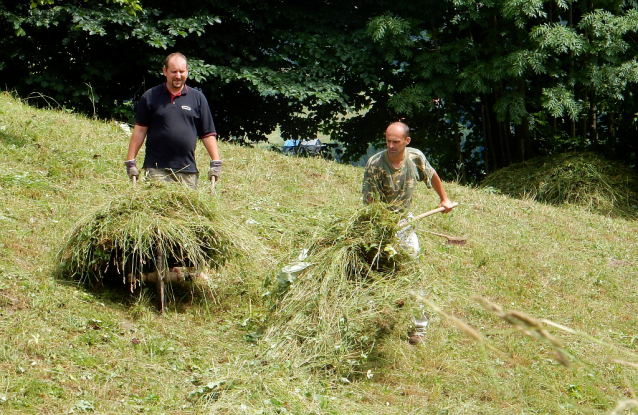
x,y
399,128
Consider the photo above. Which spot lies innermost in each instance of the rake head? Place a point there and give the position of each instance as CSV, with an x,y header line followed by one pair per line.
x,y
452,240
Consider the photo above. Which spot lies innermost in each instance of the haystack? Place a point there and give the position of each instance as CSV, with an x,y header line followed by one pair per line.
x,y
354,295
123,237
582,179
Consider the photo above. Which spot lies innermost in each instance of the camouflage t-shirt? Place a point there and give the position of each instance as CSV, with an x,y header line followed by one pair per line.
x,y
382,182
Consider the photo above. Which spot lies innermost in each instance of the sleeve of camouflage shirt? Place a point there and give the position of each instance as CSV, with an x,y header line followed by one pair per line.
x,y
424,169
370,188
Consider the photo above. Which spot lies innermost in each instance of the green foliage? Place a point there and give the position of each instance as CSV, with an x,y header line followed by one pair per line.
x,y
522,11
131,6
511,73
278,78
511,107
523,61
561,102
394,33
559,38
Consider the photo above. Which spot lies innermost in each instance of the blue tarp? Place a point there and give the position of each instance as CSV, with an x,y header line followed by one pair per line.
x,y
310,146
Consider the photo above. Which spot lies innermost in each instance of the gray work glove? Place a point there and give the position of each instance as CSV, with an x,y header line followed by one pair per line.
x,y
131,169
215,170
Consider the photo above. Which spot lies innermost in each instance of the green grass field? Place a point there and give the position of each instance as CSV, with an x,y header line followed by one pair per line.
x,y
536,314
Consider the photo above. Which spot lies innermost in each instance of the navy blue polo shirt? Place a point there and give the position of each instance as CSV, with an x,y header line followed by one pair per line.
x,y
174,125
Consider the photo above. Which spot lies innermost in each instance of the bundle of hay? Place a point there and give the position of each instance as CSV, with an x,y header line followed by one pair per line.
x,y
577,178
126,235
364,243
353,296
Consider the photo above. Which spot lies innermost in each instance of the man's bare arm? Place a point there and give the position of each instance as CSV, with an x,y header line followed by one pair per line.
x,y
210,143
137,139
437,185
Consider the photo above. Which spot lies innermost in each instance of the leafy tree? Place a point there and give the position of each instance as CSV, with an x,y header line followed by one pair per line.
x,y
261,64
516,78
482,85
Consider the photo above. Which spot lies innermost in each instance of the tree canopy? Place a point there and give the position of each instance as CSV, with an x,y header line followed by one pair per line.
x,y
482,85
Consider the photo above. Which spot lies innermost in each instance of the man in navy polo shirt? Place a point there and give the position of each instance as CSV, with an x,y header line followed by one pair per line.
x,y
171,117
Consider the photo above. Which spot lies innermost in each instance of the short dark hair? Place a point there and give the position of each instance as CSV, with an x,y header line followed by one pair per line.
x,y
175,55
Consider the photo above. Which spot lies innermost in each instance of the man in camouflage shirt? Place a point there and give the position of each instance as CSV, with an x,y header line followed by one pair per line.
x,y
392,175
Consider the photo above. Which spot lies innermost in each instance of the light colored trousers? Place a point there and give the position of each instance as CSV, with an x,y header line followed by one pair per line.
x,y
409,239
168,175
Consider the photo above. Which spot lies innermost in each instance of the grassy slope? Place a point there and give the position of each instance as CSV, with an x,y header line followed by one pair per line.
x,y
70,349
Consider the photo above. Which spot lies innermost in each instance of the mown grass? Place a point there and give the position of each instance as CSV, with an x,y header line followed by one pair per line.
x,y
582,179
68,348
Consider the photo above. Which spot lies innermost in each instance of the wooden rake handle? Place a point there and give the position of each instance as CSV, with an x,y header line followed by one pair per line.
x,y
406,222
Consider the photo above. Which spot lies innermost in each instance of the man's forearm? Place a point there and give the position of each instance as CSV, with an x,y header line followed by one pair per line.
x,y
437,185
137,139
210,143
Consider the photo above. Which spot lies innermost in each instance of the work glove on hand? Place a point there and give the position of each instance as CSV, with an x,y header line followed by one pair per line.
x,y
131,169
215,170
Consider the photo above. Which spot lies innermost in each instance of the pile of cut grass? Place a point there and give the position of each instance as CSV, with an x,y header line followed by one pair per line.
x,y
578,178
127,233
364,243
355,294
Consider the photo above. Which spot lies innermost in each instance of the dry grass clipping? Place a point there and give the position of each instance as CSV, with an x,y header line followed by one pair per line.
x,y
364,243
582,179
124,236
354,295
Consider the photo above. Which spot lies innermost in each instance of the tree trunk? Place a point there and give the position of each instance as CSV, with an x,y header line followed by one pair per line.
x,y
611,141
459,152
506,134
490,135
524,138
487,145
501,139
500,143
528,149
517,142
593,115
570,24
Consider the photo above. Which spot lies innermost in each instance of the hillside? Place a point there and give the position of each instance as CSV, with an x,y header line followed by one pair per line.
x,y
563,340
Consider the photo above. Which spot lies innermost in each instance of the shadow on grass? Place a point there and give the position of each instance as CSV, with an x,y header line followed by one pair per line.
x,y
11,139
115,293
